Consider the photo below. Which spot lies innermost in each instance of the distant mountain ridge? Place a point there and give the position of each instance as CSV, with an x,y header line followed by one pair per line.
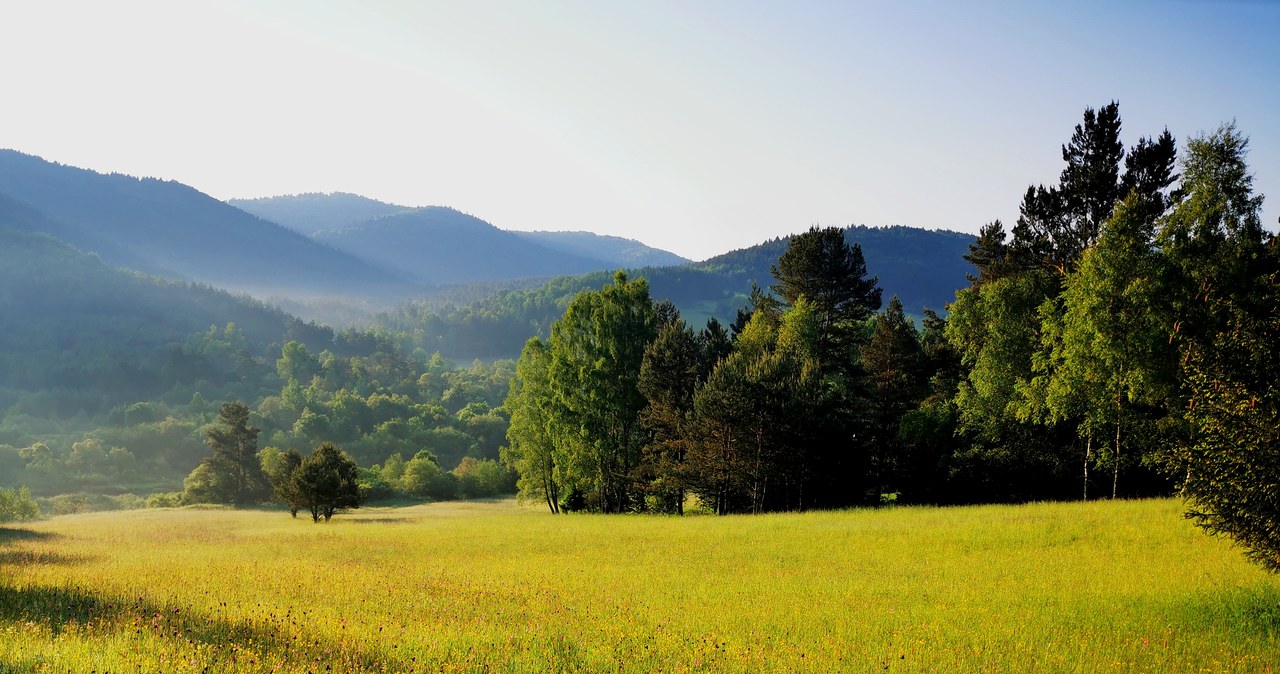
x,y
316,211
171,229
616,250
440,246
332,217
485,279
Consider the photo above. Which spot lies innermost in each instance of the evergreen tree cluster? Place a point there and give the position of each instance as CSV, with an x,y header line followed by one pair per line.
x,y
626,408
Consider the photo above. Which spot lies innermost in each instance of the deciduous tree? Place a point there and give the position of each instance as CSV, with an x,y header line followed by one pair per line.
x,y
595,355
1228,328
327,481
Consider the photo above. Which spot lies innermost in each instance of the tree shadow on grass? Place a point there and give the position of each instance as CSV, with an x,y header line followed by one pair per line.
x,y
386,519
14,554
1252,612
277,638
43,557
8,535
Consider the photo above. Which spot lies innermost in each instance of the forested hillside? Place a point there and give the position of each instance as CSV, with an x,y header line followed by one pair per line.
x,y
315,212
170,229
77,337
109,380
614,251
924,268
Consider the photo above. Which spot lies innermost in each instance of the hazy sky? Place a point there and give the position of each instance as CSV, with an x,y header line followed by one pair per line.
x,y
694,126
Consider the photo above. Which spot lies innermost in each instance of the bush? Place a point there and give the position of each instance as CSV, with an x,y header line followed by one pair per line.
x,y
69,504
128,502
327,481
16,505
375,486
484,477
423,478
165,499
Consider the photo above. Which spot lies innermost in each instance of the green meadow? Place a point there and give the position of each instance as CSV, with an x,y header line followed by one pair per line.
x,y
459,587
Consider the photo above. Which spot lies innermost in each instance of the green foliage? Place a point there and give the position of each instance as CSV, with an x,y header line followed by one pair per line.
x,y
820,266
232,474
1229,316
671,370
483,478
595,354
16,505
325,482
423,478
161,499
751,437
1109,361
296,364
1064,331
279,467
531,449
895,373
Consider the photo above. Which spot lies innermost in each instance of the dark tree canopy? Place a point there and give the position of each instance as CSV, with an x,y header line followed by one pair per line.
x,y
279,468
989,253
892,360
327,481
1227,274
822,267
669,374
234,467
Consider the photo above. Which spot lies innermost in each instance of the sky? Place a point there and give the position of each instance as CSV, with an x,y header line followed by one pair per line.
x,y
694,126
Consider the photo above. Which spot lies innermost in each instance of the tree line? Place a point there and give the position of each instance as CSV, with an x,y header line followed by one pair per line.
x,y
1121,342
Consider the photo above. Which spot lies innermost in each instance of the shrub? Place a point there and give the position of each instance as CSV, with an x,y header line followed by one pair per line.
x,y
165,499
16,505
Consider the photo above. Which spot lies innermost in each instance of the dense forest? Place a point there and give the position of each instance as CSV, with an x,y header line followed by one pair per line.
x,y
1121,342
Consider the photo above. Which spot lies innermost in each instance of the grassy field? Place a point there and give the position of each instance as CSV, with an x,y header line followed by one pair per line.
x,y
1123,587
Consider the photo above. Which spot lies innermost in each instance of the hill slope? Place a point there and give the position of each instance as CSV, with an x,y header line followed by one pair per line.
x,y
90,335
322,215
924,268
613,250
171,229
440,245
316,212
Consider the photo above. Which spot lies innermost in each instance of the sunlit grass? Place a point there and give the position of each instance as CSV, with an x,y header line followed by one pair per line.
x,y
1122,587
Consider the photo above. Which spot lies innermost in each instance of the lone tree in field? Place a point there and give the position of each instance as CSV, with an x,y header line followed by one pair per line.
x,y
327,481
232,474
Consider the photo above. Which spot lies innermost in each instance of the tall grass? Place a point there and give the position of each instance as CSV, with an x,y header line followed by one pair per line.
x,y
1123,587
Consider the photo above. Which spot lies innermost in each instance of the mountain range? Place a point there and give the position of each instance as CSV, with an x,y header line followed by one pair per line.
x,y
308,251
170,229
436,245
